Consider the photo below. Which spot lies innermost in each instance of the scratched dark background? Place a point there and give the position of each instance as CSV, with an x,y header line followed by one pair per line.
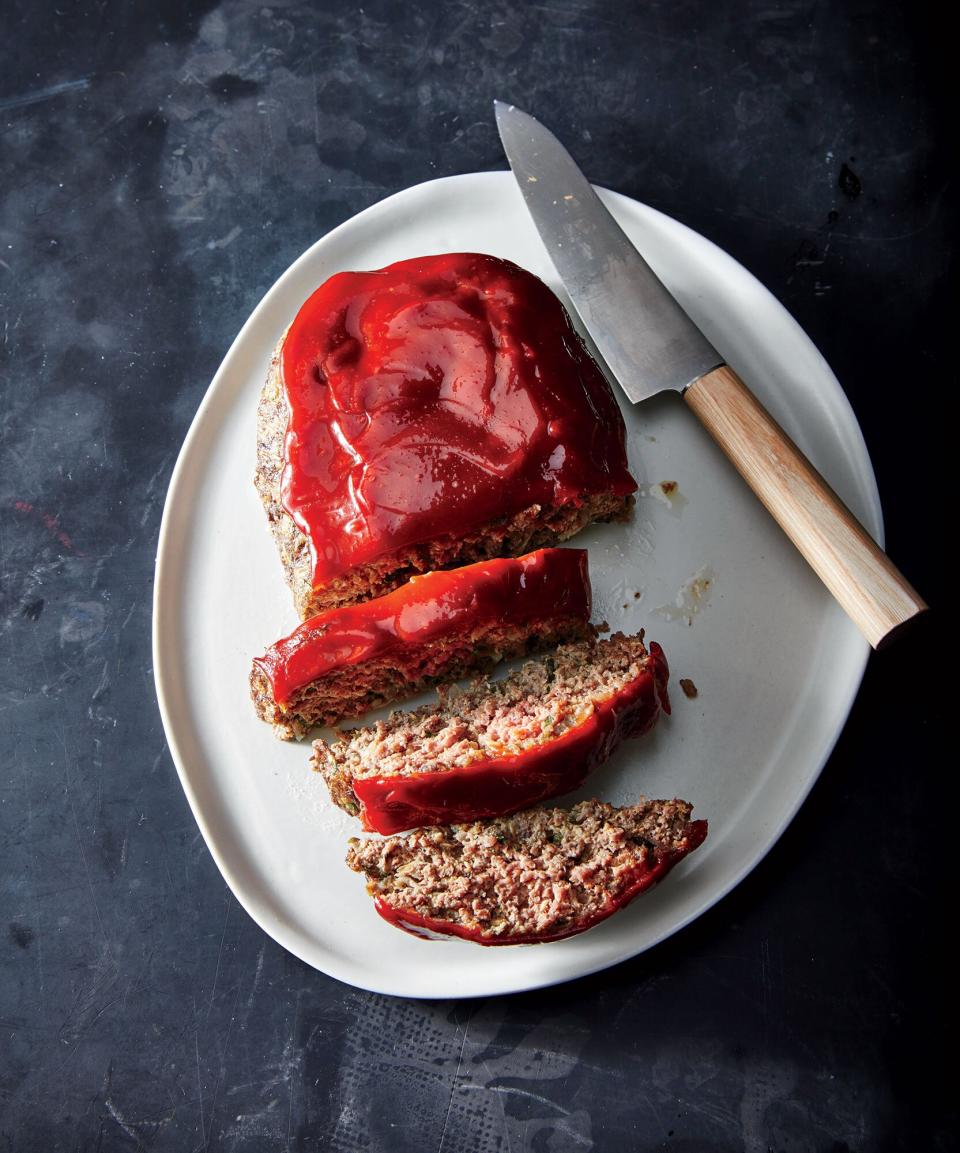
x,y
161,165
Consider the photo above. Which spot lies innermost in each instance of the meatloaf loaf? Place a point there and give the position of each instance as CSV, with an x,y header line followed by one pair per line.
x,y
437,627
540,875
498,746
430,414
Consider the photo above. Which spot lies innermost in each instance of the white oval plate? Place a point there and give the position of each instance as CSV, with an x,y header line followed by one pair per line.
x,y
777,664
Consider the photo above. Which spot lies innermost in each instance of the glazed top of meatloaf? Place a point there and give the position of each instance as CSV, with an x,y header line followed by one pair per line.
x,y
434,396
549,584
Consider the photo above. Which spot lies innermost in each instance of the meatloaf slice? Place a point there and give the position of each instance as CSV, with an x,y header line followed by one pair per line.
x,y
438,627
434,413
540,875
498,746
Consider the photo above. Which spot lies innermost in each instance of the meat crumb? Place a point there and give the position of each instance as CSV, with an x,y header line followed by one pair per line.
x,y
540,874
689,688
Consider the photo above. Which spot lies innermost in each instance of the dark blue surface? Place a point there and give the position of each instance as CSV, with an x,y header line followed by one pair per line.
x,y
161,165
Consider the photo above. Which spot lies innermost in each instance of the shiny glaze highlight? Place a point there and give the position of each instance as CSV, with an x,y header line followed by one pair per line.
x,y
434,396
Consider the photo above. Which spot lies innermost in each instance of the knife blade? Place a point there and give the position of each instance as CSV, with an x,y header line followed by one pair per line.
x,y
651,345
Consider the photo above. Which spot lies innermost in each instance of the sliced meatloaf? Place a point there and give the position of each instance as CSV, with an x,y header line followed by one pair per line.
x,y
540,875
498,746
438,627
431,414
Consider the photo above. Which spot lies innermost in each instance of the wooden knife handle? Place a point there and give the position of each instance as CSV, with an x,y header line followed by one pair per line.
x,y
867,584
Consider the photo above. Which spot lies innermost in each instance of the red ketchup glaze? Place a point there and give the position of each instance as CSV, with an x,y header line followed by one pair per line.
x,y
644,877
433,396
504,785
550,584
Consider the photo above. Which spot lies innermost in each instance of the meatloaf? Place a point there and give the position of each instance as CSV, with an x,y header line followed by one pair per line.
x,y
437,627
430,414
498,746
539,875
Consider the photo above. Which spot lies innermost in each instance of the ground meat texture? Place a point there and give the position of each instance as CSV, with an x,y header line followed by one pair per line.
x,y
540,875
498,746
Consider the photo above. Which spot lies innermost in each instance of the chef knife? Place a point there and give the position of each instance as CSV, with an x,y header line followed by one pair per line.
x,y
650,346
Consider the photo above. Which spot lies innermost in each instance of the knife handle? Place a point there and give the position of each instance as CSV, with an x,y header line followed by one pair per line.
x,y
868,586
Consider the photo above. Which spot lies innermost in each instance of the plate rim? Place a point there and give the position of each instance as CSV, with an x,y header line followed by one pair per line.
x,y
267,918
